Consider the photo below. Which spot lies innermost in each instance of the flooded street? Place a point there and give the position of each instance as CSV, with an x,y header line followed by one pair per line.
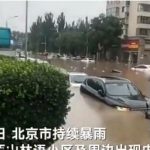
x,y
121,127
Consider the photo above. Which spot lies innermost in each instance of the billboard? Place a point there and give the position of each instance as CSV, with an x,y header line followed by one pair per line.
x,y
130,44
5,37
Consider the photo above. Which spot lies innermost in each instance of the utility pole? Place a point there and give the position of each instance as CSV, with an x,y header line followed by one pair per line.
x,y
87,49
45,44
59,40
26,31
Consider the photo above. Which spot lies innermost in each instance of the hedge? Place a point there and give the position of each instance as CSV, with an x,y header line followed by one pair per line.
x,y
31,95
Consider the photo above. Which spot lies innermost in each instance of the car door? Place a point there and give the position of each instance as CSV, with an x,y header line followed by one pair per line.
x,y
100,86
92,87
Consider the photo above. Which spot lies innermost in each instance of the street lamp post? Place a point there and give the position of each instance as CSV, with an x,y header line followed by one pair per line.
x,y
26,30
87,39
44,43
9,19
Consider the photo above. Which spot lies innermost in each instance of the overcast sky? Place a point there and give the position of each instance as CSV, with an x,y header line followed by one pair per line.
x,y
73,10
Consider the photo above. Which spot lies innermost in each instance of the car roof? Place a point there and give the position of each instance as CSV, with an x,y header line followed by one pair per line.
x,y
77,73
110,79
142,65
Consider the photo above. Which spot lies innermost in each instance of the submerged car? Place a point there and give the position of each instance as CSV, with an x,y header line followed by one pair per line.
x,y
141,68
88,60
76,78
117,92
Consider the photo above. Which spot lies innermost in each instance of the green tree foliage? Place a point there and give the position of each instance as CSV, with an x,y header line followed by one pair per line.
x,y
32,95
77,38
43,31
36,35
106,32
72,43
61,22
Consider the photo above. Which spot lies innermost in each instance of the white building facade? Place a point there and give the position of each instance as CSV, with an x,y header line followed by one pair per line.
x,y
135,16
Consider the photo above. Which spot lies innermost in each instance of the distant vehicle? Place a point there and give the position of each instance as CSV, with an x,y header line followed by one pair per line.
x,y
141,68
5,37
33,60
117,92
88,60
64,57
76,78
76,58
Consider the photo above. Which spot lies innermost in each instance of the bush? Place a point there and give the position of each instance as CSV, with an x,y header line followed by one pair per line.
x,y
31,95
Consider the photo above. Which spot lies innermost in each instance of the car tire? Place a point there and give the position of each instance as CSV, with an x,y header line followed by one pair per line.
x,y
82,90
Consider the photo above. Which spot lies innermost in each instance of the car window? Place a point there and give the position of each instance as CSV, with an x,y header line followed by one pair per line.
x,y
100,85
77,78
121,89
85,81
92,84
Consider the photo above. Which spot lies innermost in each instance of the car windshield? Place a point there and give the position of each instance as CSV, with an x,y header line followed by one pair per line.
x,y
77,78
121,89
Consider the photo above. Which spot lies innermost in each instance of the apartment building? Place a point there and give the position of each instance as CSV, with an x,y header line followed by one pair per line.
x,y
135,16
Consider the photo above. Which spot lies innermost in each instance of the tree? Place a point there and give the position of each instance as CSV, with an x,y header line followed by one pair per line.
x,y
77,38
43,32
61,26
49,31
32,96
106,31
81,25
61,22
35,35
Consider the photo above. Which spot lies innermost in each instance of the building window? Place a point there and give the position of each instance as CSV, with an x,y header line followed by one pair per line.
x,y
147,41
142,31
123,9
113,11
144,7
143,20
127,3
118,2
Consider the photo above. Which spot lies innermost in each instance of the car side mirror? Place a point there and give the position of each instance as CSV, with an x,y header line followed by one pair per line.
x,y
101,93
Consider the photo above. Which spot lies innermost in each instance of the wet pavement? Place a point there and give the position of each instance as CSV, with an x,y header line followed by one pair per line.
x,y
121,127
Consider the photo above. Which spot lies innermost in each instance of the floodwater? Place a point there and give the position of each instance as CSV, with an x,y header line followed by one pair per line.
x,y
121,127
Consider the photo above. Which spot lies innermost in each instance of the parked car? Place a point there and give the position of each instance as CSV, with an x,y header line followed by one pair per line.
x,y
88,60
34,60
117,92
141,68
76,78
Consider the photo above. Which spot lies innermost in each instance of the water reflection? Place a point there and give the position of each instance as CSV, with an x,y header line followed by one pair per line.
x,y
122,127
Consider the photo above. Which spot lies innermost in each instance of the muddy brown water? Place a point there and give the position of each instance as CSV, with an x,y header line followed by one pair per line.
x,y
86,111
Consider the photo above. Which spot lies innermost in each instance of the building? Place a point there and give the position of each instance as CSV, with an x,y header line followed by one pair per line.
x,y
135,16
